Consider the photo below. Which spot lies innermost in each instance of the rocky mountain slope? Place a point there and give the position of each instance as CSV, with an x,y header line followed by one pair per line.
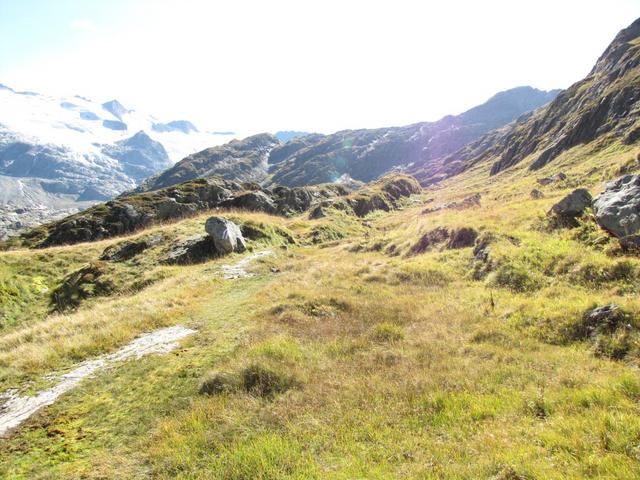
x,y
338,346
241,160
603,107
367,154
357,154
73,152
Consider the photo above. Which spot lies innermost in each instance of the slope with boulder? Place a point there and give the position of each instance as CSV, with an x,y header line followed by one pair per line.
x,y
603,107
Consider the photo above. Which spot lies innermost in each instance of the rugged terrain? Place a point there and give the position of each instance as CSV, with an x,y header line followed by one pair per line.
x,y
485,326
63,154
602,108
362,155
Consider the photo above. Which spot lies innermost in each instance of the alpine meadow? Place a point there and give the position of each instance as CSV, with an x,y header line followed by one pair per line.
x,y
449,299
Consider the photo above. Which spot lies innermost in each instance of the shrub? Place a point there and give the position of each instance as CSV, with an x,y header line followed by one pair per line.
x,y
515,278
217,384
266,382
616,345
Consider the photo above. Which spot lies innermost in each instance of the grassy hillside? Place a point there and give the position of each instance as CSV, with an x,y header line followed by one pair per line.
x,y
365,347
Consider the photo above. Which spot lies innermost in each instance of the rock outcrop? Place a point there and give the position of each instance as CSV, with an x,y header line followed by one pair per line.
x,y
226,235
88,281
127,214
572,206
617,209
191,250
239,160
128,249
384,194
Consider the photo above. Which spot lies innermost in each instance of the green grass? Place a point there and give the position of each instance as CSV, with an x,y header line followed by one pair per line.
x,y
351,357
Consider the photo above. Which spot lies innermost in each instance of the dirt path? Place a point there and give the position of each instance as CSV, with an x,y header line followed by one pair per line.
x,y
18,408
237,270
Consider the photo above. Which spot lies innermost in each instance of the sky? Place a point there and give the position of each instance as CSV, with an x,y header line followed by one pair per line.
x,y
267,65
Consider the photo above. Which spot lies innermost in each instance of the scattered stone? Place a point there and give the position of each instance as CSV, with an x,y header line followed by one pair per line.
x,y
192,250
18,408
430,239
558,177
617,209
462,238
606,319
238,269
226,235
468,202
536,194
567,210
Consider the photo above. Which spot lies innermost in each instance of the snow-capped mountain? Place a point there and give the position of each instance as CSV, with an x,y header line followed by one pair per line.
x,y
58,154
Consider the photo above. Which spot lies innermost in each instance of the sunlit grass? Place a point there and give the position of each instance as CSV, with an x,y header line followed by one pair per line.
x,y
350,357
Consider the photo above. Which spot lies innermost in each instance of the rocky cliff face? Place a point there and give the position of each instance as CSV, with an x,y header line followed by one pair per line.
x,y
362,155
604,105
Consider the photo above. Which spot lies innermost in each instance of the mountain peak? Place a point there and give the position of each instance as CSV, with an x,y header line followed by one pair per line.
x,y
619,48
115,108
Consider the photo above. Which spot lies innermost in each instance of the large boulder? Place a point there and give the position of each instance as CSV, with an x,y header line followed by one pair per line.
x,y
226,235
567,210
617,209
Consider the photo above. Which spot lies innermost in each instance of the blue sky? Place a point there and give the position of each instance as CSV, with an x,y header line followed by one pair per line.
x,y
32,29
251,65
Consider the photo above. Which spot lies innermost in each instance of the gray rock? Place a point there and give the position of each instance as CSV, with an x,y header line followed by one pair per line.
x,y
170,208
536,194
617,209
192,250
558,177
606,319
226,235
256,201
571,207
